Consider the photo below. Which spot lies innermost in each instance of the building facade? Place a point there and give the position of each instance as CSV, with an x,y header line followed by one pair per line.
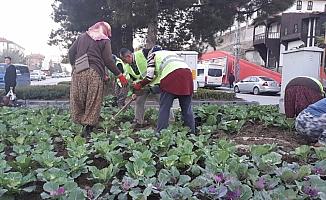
x,y
7,45
35,61
299,26
263,43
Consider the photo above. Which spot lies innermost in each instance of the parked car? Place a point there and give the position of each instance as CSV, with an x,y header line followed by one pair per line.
x,y
257,85
55,75
23,75
209,75
36,76
43,75
62,74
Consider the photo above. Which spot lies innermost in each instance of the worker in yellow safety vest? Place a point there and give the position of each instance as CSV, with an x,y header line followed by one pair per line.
x,y
136,68
121,93
174,77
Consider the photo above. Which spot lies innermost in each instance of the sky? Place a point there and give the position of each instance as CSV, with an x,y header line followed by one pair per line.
x,y
29,24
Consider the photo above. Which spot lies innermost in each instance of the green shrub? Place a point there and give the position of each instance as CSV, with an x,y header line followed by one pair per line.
x,y
64,83
44,92
214,95
61,91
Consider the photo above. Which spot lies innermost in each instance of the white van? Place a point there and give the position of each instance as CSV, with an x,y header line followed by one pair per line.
x,y
191,58
209,75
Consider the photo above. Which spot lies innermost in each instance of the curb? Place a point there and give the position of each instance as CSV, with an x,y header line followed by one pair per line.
x,y
32,103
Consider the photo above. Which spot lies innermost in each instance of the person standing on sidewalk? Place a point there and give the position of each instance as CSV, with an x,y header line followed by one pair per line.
x,y
86,92
136,67
10,75
231,79
174,77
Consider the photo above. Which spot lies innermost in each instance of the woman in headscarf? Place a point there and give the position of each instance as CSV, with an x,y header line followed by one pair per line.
x,y
301,92
86,93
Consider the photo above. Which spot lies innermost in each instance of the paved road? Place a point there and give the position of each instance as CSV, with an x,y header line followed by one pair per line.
x,y
261,99
50,81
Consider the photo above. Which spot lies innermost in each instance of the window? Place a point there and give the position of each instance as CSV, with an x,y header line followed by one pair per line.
x,y
215,72
253,79
23,69
295,30
299,5
2,68
285,31
325,8
200,72
246,79
310,4
265,78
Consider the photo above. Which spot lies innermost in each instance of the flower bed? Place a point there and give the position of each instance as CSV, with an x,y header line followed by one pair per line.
x,y
44,157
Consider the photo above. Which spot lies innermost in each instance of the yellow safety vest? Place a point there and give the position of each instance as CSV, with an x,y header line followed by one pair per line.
x,y
165,63
141,63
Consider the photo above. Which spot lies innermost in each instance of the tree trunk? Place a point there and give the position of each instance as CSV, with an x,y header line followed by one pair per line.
x,y
116,42
151,35
152,29
127,38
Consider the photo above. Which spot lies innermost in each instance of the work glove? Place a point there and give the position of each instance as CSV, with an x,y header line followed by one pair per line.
x,y
123,80
137,86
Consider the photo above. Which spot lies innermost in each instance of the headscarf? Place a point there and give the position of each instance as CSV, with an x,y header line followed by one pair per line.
x,y
100,31
306,81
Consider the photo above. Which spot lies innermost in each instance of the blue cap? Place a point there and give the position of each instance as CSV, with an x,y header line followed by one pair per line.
x,y
156,48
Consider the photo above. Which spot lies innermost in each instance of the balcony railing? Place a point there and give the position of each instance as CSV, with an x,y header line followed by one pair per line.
x,y
274,35
260,38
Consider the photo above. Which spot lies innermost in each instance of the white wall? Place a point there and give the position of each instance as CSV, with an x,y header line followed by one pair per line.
x,y
3,46
295,44
260,29
291,45
317,6
282,50
274,27
300,62
254,57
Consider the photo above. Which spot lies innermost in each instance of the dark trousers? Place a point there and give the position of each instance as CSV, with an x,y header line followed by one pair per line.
x,y
166,102
7,88
231,85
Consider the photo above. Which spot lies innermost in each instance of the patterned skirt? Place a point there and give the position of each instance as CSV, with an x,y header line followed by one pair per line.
x,y
86,95
311,127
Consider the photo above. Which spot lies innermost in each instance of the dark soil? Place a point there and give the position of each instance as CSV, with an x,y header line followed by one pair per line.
x,y
61,149
99,162
83,181
8,151
260,134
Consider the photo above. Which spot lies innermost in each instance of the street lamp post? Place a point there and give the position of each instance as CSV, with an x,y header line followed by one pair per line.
x,y
237,48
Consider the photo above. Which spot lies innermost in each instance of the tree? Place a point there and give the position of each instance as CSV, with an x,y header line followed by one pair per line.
x,y
76,16
211,17
176,24
16,56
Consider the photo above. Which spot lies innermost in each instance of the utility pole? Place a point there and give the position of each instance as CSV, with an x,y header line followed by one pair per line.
x,y
237,49
324,56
